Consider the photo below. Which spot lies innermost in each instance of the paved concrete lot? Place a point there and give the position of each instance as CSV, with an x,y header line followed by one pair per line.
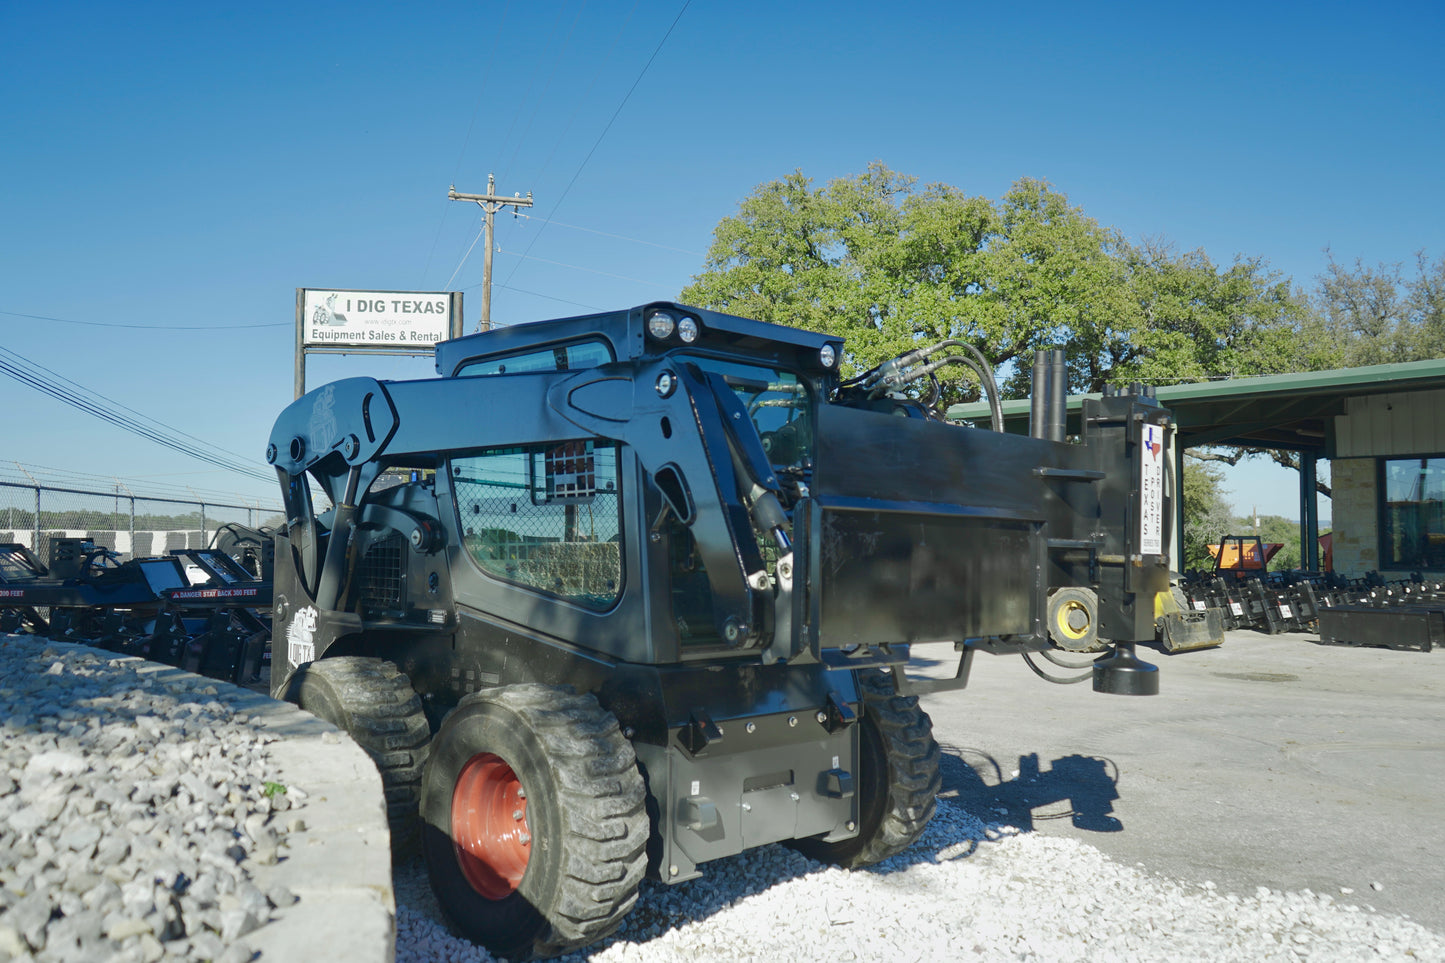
x,y
1270,761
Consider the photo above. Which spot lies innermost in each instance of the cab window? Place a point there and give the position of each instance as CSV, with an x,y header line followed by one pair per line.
x,y
545,517
780,406
562,357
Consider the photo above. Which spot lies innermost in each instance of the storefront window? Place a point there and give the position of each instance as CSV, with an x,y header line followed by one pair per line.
x,y
1412,513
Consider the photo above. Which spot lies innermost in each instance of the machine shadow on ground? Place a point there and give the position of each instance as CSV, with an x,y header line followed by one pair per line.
x,y
1074,787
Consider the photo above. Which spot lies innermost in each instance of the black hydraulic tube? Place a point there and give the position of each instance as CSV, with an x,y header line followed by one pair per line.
x,y
300,524
334,568
1056,411
1038,396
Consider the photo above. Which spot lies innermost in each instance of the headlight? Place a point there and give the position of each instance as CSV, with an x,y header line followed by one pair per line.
x,y
687,329
827,356
660,325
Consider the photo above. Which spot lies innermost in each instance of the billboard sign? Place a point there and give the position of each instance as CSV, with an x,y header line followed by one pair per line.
x,y
395,320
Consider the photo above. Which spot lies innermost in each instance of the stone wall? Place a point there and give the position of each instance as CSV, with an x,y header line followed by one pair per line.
x,y
1354,517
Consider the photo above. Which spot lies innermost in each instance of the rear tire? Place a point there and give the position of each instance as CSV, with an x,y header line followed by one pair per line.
x,y
534,827
898,778
375,704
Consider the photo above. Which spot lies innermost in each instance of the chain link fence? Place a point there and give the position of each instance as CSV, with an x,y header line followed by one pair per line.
x,y
133,526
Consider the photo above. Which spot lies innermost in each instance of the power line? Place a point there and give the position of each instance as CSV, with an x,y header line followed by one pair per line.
x,y
580,94
33,375
550,297
151,327
619,237
141,487
578,267
598,143
480,231
537,105
57,375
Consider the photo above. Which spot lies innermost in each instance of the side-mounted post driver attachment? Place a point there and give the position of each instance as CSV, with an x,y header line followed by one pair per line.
x,y
1121,672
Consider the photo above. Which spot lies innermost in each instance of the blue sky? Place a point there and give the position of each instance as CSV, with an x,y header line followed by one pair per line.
x,y
190,165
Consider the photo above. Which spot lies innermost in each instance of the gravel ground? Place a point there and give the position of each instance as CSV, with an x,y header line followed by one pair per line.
x,y
966,890
132,802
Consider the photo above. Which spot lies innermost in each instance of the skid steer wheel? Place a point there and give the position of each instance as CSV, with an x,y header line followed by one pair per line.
x,y
375,704
898,778
534,829
1073,616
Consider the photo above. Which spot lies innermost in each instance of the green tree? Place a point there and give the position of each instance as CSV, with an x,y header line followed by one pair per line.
x,y
1376,315
1207,514
1425,307
1362,312
1197,321
889,265
1281,530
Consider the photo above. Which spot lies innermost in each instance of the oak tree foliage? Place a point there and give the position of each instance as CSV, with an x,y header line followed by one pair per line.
x,y
890,265
1375,314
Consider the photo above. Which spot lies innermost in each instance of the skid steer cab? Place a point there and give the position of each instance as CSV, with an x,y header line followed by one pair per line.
x,y
625,593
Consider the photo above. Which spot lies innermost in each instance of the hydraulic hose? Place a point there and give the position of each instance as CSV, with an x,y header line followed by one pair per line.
x,y
896,372
1057,680
986,379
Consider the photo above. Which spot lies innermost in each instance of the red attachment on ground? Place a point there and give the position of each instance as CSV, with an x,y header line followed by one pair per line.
x,y
1247,554
489,826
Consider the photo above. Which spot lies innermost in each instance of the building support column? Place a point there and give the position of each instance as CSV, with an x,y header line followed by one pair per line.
x,y
1309,502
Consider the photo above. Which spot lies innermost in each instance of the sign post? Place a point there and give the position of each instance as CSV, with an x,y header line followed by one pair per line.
x,y
335,321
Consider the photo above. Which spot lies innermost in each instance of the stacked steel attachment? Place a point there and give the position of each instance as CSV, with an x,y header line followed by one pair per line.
x,y
1407,614
199,609
1280,602
1400,615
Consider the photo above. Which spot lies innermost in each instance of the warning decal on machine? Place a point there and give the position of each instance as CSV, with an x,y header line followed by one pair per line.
x,y
215,593
300,637
1151,491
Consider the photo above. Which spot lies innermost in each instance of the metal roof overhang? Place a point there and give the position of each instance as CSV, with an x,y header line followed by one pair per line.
x,y
1289,412
1292,412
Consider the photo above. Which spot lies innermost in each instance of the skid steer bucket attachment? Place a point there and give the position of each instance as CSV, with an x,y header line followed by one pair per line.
x,y
1181,629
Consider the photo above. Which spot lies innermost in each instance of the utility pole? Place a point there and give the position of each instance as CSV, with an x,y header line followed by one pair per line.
x,y
490,203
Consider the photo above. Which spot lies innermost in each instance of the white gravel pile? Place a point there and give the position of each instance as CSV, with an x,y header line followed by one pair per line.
x,y
130,808
966,890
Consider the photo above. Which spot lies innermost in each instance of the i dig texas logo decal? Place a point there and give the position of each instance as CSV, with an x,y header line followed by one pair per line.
x,y
1151,491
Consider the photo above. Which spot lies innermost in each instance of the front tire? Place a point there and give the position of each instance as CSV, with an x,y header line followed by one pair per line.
x,y
898,778
534,827
375,704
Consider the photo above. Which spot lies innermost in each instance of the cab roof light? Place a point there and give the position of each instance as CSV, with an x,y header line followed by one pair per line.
x,y
661,325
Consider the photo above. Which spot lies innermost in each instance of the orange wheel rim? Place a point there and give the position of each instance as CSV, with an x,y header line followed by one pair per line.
x,y
489,826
